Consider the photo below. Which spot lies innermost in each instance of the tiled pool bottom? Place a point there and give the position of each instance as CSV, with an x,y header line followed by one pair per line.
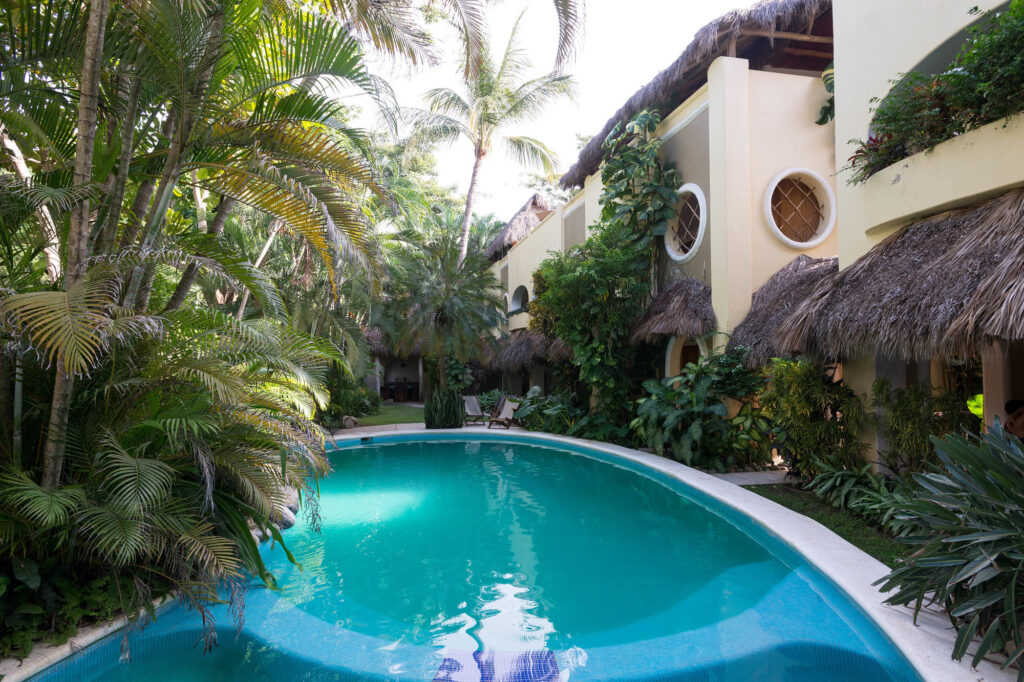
x,y
745,614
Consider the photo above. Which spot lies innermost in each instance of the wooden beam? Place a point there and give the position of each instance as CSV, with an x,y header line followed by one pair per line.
x,y
785,35
807,53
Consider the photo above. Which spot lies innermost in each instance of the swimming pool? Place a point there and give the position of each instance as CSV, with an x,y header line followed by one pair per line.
x,y
486,557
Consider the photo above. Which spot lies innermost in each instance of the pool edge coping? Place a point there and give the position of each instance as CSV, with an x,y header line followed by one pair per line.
x,y
926,645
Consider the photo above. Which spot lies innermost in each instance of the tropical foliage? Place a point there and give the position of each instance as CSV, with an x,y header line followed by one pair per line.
x,y
496,95
966,537
983,84
818,418
909,417
589,296
685,417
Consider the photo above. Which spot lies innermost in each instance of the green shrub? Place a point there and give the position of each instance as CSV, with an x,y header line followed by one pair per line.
x,y
49,600
350,397
872,496
910,416
968,542
817,418
489,399
444,410
984,83
684,418
590,295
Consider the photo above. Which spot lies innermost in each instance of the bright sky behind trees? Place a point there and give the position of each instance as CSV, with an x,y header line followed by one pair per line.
x,y
626,43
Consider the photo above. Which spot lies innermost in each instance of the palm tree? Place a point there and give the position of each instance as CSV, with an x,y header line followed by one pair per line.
x,y
198,95
495,97
442,303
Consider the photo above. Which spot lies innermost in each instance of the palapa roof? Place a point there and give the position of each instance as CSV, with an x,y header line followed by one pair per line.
x,y
519,226
523,347
945,286
382,346
762,33
774,301
682,309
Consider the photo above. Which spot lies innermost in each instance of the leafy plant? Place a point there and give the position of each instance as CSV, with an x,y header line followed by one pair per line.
x,y
908,418
872,496
489,399
684,418
968,542
817,418
444,410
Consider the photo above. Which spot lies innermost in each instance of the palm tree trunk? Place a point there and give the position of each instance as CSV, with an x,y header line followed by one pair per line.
x,y
140,286
6,408
109,229
78,232
275,227
188,278
52,249
468,215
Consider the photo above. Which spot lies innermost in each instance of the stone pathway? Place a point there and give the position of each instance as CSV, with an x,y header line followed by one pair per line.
x,y
756,478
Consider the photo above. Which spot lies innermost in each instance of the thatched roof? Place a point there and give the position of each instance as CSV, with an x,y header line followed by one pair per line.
x,y
774,301
520,225
740,32
942,286
524,347
382,346
683,309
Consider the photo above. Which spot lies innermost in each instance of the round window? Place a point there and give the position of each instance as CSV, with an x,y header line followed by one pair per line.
x,y
800,207
685,232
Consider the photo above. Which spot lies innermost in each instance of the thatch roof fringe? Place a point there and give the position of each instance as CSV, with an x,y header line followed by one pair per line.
x,y
774,301
671,87
519,226
682,309
945,286
524,347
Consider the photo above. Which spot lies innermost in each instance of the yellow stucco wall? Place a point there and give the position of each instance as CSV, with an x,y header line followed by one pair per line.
x,y
731,137
761,124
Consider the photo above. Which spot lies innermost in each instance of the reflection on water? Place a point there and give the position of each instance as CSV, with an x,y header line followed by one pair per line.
x,y
494,547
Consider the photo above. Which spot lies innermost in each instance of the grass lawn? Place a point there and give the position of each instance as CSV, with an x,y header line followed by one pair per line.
x,y
394,414
853,529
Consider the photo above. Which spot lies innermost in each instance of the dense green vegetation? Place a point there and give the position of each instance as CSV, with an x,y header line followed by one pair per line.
x,y
194,240
985,83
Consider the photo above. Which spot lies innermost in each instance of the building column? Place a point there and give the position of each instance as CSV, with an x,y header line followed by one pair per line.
x,y
730,193
997,381
419,377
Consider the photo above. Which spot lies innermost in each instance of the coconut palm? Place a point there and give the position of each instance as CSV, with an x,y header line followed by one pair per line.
x,y
495,96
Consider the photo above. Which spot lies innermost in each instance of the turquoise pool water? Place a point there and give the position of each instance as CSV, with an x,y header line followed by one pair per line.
x,y
495,558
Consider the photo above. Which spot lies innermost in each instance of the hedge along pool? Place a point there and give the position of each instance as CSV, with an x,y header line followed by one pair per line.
x,y
494,557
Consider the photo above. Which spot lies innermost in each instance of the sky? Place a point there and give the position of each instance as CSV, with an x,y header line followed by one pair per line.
x,y
626,43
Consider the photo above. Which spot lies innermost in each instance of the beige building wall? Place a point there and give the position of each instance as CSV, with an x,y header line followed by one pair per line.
x,y
874,46
761,126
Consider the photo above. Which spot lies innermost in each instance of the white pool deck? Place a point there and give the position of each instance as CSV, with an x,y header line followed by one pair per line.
x,y
926,645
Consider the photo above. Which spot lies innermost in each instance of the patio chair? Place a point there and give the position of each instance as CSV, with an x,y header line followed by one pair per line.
x,y
507,416
474,414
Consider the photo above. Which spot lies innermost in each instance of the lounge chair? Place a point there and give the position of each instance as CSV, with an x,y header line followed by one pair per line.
x,y
507,416
474,415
